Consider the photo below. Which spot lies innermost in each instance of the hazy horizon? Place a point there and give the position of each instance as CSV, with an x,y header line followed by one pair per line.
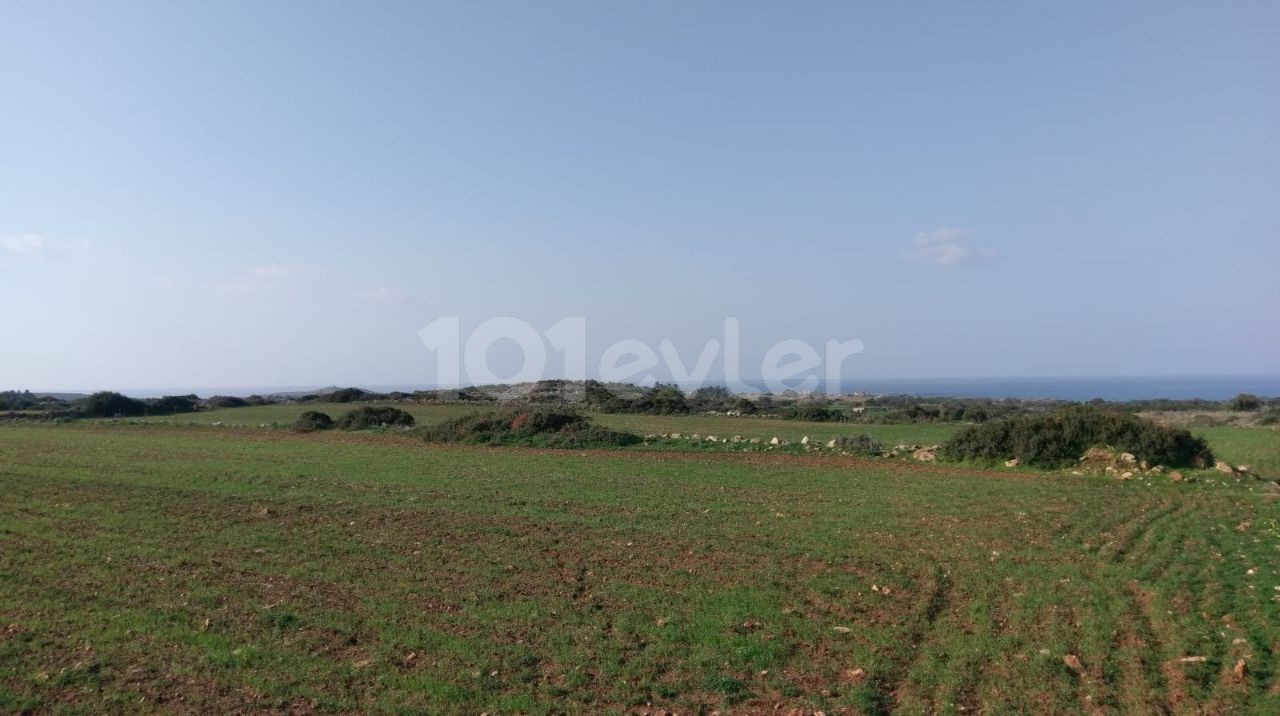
x,y
240,194
1075,388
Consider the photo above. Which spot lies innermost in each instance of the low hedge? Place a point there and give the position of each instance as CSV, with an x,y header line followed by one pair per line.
x,y
1059,438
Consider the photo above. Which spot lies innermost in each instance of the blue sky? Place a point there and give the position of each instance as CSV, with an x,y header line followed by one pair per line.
x,y
231,194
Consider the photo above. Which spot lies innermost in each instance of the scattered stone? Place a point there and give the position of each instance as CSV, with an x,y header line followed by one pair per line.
x,y
1097,455
925,455
804,440
1240,671
1011,463
1193,659
1073,662
831,443
1224,468
1175,476
775,441
841,629
852,676
1128,458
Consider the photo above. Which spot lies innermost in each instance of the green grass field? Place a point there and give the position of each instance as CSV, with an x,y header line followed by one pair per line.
x,y
171,568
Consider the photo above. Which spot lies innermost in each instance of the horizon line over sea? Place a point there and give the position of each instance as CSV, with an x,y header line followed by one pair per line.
x,y
1075,388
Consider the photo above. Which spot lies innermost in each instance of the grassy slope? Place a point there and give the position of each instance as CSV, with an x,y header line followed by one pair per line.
x,y
1259,447
138,570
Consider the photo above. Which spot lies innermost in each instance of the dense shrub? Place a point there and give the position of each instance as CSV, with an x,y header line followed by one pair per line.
x,y
350,395
814,413
370,416
313,420
173,404
711,397
538,427
14,400
860,444
107,404
1244,402
661,399
226,401
1060,437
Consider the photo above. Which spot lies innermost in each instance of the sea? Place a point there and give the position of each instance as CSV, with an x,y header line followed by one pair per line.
x,y
1205,387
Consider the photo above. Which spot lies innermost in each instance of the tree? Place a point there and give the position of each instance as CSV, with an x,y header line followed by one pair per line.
x,y
1245,401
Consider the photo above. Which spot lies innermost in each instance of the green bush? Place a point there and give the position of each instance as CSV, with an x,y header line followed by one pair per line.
x,y
1060,437
814,413
661,399
1245,402
14,400
711,397
539,427
226,401
350,395
313,420
106,404
371,416
173,404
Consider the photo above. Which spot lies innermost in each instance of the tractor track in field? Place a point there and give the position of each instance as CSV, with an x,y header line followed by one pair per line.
x,y
1138,603
888,682
1142,530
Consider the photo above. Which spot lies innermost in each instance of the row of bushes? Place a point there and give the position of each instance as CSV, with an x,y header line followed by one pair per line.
x,y
535,427
362,418
1060,437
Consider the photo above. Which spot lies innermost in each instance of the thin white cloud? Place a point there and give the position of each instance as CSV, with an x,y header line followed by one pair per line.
x,y
945,246
22,243
31,244
382,294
